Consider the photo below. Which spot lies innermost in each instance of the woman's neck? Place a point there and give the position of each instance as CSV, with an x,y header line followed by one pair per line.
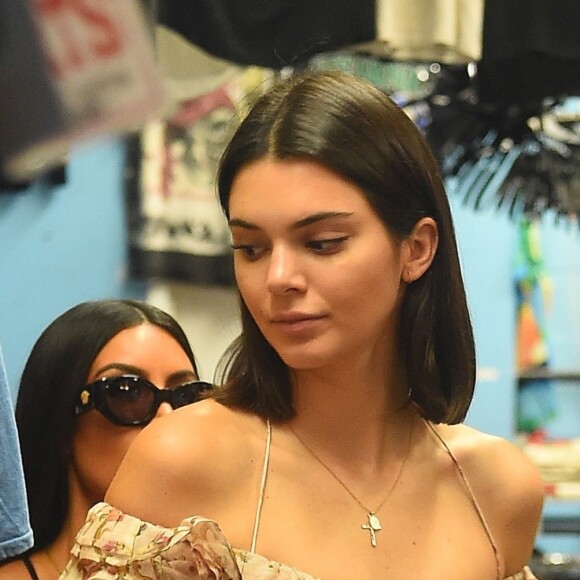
x,y
356,416
367,384
58,552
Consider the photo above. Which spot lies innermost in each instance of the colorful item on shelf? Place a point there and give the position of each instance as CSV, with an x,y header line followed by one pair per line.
x,y
537,403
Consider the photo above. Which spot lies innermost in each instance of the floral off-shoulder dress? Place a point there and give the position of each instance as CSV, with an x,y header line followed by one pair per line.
x,y
115,546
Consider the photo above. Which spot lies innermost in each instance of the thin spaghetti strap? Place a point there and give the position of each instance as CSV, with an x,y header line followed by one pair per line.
x,y
30,567
472,497
262,486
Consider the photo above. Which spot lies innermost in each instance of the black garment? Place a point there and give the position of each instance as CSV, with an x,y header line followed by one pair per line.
x,y
30,568
530,50
26,89
51,177
26,93
269,33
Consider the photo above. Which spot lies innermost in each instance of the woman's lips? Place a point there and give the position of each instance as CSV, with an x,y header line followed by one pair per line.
x,y
296,322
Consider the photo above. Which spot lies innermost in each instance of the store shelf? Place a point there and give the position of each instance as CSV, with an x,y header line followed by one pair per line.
x,y
561,525
550,374
559,465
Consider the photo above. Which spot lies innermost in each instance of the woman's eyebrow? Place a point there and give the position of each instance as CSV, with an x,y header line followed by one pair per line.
x,y
318,217
118,366
181,375
301,223
240,223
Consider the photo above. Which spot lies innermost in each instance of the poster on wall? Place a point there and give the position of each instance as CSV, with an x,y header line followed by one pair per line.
x,y
177,230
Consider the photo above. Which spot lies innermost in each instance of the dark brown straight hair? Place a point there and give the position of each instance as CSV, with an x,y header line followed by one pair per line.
x,y
352,128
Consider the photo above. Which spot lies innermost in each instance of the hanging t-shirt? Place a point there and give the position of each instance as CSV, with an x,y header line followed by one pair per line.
x,y
444,30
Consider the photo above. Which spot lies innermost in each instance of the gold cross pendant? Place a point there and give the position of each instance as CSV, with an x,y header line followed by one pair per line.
x,y
372,527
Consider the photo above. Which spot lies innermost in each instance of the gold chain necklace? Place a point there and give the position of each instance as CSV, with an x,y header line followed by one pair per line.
x,y
374,524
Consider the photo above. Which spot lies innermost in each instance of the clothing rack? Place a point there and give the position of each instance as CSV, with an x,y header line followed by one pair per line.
x,y
521,157
557,524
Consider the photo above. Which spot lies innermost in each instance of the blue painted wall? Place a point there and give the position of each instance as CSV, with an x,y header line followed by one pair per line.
x,y
562,260
487,243
485,240
60,246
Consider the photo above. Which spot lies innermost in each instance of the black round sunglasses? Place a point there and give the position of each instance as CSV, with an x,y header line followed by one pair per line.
x,y
131,400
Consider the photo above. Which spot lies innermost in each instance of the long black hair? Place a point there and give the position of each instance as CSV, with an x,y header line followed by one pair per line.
x,y
58,365
349,126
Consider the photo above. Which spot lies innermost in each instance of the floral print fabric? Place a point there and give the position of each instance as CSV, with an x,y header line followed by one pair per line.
x,y
525,574
115,546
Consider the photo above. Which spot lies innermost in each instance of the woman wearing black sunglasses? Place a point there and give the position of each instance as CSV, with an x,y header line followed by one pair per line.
x,y
96,373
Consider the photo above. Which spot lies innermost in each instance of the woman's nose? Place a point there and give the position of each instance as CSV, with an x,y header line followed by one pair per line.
x,y
284,272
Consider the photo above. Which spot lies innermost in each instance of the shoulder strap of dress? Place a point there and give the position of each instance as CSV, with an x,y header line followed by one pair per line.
x,y
262,486
472,497
30,567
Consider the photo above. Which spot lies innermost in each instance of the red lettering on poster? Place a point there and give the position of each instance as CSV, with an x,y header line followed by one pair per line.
x,y
70,27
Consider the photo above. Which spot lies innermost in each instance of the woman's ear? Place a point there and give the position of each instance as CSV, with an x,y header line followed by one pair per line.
x,y
421,245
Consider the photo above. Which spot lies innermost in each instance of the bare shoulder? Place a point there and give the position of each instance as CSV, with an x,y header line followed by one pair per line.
x,y
179,464
494,462
192,434
14,570
507,486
